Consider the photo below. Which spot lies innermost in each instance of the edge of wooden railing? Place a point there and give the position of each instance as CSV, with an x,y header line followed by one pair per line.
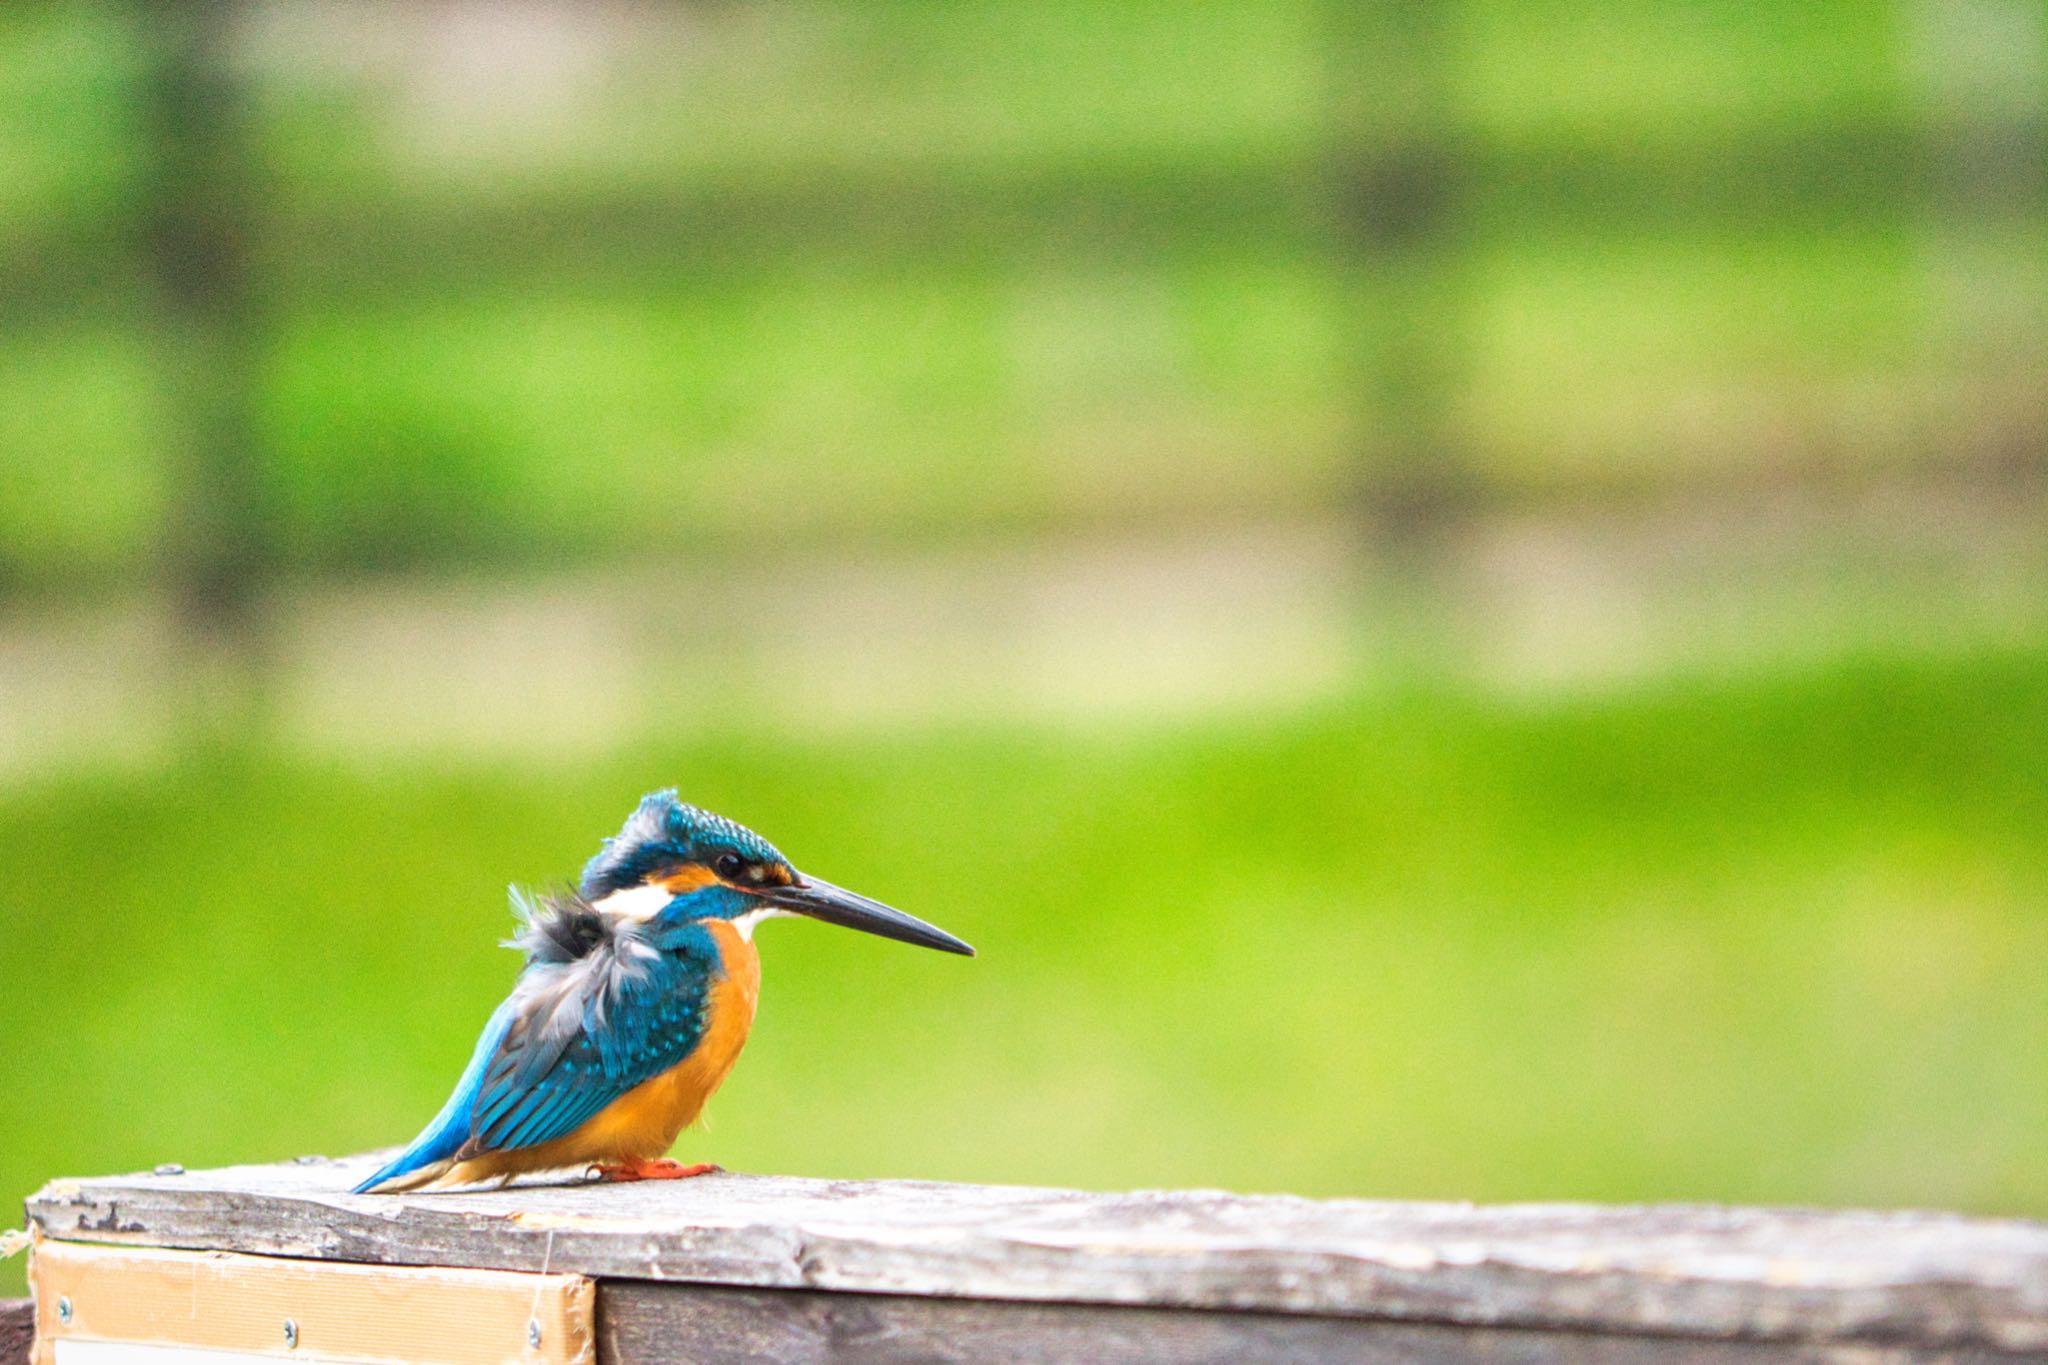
x,y
1918,1279
17,1330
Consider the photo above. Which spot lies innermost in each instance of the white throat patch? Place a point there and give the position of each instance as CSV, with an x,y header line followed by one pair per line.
x,y
745,923
640,903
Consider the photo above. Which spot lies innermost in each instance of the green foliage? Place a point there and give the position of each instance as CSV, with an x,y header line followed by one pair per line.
x,y
1776,941
887,272
82,478
68,135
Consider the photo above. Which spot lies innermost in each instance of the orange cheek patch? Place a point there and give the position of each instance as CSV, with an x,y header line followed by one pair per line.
x,y
683,880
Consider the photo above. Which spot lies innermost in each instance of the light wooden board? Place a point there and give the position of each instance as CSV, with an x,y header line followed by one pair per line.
x,y
103,1305
1904,1279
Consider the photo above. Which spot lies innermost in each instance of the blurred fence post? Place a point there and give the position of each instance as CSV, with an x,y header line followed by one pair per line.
x,y
1397,167
196,234
1981,71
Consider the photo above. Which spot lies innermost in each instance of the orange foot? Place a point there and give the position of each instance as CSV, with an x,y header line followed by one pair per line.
x,y
663,1169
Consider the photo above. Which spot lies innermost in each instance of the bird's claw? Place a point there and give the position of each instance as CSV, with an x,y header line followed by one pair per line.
x,y
663,1169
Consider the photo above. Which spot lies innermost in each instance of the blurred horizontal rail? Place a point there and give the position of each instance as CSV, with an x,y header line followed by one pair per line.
x,y
1737,187
1179,625
388,235
995,1272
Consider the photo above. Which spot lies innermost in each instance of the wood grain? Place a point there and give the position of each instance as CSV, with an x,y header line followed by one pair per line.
x,y
17,1330
1923,1280
644,1324
219,1301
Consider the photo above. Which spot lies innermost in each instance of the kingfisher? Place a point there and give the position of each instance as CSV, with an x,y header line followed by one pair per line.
x,y
637,994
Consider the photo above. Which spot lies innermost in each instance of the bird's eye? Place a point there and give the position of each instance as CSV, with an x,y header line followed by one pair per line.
x,y
729,866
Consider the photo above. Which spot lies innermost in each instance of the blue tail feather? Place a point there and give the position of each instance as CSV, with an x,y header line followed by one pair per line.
x,y
450,1128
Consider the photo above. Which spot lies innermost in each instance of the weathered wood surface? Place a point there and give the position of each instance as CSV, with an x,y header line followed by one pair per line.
x,y
1919,1280
17,1330
641,1324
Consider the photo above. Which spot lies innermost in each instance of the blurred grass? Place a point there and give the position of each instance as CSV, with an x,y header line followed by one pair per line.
x,y
1770,941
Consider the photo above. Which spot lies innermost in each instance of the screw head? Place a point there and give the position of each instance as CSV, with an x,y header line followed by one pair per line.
x,y
291,1335
533,1333
64,1311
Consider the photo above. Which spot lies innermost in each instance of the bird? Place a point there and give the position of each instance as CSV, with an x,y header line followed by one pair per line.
x,y
637,993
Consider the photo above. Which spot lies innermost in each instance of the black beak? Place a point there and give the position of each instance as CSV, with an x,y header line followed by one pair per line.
x,y
836,905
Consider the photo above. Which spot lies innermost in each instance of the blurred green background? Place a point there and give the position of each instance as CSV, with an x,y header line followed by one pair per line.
x,y
1454,594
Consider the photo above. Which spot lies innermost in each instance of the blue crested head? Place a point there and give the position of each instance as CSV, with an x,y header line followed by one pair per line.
x,y
674,865
668,840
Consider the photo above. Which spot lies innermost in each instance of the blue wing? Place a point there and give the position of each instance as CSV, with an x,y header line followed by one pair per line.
x,y
573,1037
612,1028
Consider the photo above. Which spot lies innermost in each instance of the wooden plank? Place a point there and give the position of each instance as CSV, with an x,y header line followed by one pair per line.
x,y
1921,1279
17,1330
650,1324
257,1308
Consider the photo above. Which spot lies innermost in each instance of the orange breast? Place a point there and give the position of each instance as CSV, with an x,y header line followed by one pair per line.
x,y
644,1121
